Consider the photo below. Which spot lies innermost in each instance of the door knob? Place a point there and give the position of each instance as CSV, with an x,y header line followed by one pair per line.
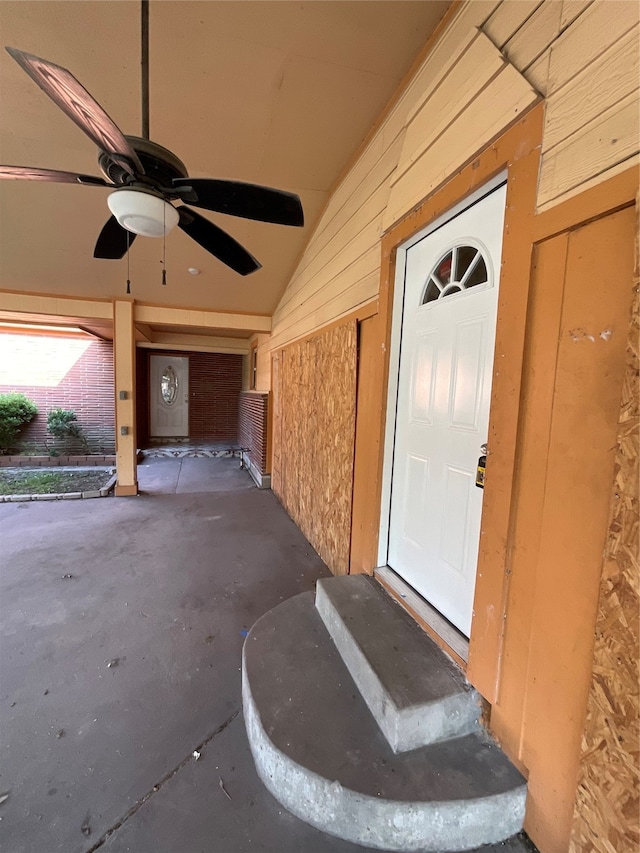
x,y
482,466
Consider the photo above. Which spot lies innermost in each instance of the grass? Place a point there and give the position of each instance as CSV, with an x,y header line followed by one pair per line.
x,y
30,481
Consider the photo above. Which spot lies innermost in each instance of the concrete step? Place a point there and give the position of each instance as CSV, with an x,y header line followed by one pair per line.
x,y
415,692
320,753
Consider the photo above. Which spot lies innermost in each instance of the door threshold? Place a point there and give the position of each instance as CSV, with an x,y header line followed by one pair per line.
x,y
433,622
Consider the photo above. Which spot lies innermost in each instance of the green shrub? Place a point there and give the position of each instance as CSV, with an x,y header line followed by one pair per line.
x,y
63,423
16,410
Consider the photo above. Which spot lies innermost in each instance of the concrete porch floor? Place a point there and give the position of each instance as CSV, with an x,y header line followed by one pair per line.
x,y
121,629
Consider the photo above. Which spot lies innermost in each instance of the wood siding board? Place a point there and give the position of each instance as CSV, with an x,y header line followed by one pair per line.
x,y
588,37
339,277
575,517
609,79
471,16
358,292
539,32
606,197
478,66
606,815
352,243
374,185
508,18
358,295
439,74
538,73
571,9
358,175
496,107
620,170
332,233
611,139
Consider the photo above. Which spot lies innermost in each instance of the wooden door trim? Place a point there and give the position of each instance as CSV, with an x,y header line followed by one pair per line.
x,y
518,152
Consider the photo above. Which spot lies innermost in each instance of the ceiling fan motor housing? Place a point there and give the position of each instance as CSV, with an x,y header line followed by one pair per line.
x,y
160,165
139,205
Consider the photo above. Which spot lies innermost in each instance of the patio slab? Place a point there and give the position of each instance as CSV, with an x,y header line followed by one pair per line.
x,y
121,630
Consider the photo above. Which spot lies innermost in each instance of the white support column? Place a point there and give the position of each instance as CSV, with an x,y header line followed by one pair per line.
x,y
124,360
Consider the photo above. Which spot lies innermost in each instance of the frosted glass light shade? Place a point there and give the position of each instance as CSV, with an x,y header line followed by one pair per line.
x,y
143,213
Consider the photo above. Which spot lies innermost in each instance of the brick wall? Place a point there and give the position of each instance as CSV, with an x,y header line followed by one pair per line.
x,y
252,433
215,383
62,372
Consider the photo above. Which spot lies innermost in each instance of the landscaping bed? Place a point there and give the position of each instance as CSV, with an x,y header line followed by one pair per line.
x,y
83,482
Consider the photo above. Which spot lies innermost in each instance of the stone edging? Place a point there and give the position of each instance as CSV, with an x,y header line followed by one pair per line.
x,y
63,496
106,460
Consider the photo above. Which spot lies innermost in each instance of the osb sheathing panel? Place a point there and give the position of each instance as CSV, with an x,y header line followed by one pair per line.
x,y
316,405
607,811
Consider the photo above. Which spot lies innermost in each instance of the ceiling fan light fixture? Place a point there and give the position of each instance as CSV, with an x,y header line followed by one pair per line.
x,y
142,212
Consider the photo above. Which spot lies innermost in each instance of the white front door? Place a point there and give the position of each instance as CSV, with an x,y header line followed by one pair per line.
x,y
442,414
169,396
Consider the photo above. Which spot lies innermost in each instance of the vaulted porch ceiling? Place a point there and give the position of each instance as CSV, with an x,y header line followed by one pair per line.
x,y
276,93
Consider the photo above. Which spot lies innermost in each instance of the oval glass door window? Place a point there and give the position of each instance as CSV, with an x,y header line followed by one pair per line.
x,y
169,385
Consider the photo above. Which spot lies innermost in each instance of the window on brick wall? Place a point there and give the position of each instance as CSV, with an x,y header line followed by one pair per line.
x,y
253,367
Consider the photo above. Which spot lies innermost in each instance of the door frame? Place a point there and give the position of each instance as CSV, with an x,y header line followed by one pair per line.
x,y
394,351
166,354
516,152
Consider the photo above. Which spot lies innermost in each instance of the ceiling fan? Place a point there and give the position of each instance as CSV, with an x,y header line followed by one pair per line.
x,y
147,179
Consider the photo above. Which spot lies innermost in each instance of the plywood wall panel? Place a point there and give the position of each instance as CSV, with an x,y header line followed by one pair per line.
x,y
315,414
607,810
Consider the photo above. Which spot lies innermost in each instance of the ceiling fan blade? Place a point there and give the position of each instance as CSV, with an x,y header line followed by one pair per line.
x,y
217,241
30,173
250,201
114,240
74,100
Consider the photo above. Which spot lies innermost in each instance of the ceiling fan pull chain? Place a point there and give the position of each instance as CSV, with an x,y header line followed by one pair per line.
x,y
128,279
164,248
